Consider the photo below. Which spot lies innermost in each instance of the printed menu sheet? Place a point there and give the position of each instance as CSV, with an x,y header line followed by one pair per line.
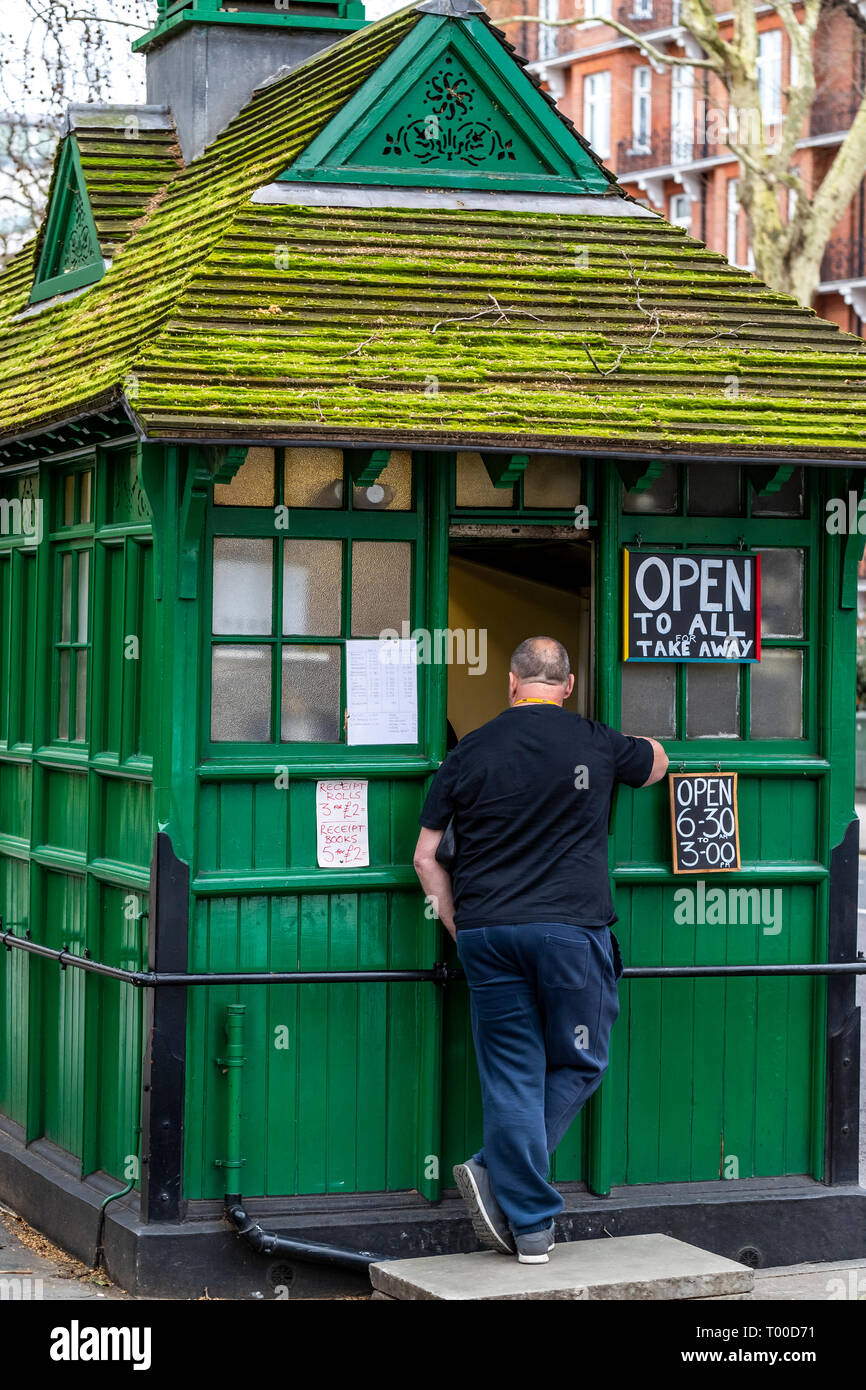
x,y
382,691
341,825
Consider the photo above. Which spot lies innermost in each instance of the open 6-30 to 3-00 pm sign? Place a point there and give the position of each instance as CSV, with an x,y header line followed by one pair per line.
x,y
691,607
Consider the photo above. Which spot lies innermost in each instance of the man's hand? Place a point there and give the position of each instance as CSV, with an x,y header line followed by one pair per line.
x,y
435,880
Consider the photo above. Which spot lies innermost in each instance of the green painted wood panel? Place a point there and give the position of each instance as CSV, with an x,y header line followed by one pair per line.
x,y
118,935
64,809
14,991
333,1085
15,789
63,1013
127,819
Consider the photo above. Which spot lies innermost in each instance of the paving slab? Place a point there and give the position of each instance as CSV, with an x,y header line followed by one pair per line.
x,y
622,1267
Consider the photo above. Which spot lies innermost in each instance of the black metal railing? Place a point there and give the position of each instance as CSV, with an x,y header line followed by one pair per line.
x,y
833,112
844,259
440,974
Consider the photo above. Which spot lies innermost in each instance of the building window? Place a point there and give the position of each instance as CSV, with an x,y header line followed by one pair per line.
x,y
769,66
597,9
548,38
682,114
74,512
641,9
284,602
641,108
596,112
681,211
732,222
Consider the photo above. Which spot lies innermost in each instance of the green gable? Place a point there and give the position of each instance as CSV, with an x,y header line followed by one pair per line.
x,y
451,107
70,256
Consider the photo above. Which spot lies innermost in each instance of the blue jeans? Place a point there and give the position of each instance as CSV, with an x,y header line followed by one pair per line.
x,y
543,1001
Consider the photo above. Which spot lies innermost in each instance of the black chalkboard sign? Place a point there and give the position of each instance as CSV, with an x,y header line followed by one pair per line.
x,y
683,605
704,822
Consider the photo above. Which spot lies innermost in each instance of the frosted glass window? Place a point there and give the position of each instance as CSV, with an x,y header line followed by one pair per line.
x,y
648,700
81,696
781,593
474,488
83,589
312,588
551,480
392,490
311,695
85,496
786,501
63,710
661,498
714,489
314,478
241,694
380,586
252,485
777,694
242,586
66,597
713,701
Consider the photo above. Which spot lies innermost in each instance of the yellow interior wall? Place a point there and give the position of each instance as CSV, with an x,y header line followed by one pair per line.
x,y
511,609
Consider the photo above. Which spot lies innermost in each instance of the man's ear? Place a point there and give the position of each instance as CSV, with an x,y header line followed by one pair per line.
x,y
569,686
512,685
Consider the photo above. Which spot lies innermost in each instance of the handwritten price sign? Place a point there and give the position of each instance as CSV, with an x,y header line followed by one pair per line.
x,y
341,825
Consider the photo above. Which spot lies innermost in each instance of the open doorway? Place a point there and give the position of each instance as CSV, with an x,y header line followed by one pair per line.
x,y
510,587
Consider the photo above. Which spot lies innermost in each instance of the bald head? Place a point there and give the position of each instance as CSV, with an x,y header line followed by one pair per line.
x,y
540,670
541,661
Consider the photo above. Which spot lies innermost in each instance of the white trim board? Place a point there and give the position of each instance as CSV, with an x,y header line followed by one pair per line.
x,y
333,195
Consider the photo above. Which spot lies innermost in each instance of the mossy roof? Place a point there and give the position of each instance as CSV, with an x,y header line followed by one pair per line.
x,y
225,318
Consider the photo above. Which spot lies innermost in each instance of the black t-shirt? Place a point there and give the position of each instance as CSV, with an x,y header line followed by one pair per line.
x,y
531,792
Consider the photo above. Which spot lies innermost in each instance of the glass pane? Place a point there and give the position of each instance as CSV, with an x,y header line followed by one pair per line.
x,y
86,479
252,485
83,589
81,696
781,593
474,488
777,694
69,499
66,598
662,497
648,700
786,501
551,480
714,489
312,588
314,478
392,490
241,695
63,702
713,701
242,585
380,586
311,695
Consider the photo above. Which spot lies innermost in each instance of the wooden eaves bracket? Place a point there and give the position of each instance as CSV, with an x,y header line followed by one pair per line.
x,y
505,469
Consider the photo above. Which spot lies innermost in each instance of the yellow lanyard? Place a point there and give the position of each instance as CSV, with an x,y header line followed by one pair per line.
x,y
535,701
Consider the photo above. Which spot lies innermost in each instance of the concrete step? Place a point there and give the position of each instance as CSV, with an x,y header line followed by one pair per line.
x,y
621,1267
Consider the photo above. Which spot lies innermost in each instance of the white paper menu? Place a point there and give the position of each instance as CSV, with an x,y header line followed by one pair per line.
x,y
382,691
341,825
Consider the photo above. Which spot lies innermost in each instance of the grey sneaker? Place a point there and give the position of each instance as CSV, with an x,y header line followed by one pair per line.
x,y
488,1219
534,1248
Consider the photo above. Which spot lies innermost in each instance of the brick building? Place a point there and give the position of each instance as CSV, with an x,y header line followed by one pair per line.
x,y
662,129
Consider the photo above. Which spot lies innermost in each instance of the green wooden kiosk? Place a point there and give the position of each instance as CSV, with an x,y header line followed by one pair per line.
x,y
394,353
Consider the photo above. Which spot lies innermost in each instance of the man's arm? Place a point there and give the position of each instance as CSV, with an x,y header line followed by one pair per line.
x,y
435,880
660,761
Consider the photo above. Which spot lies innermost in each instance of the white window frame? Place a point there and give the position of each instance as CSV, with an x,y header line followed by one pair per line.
x,y
680,211
641,108
548,38
732,222
596,112
682,115
769,69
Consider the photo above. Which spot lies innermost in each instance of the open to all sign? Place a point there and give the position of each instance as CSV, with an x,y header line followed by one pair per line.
x,y
704,821
691,607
